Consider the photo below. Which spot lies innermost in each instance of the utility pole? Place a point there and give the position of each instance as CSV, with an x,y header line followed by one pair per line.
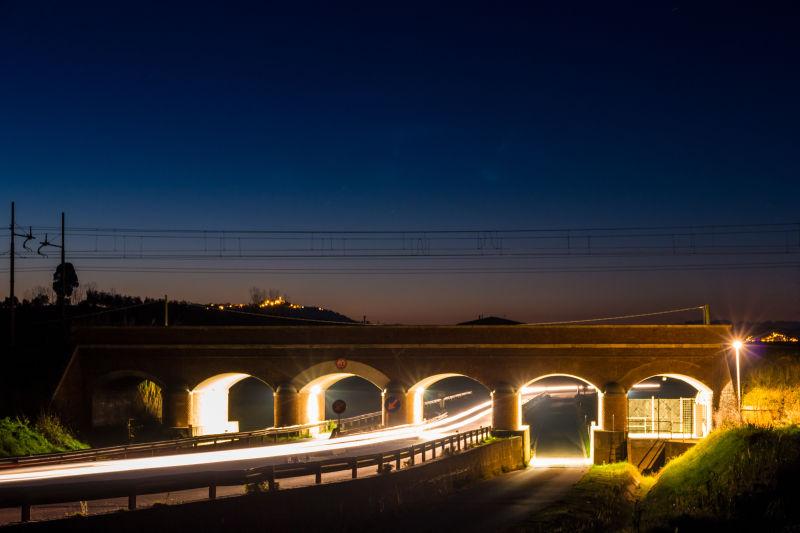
x,y
11,277
166,311
63,277
706,314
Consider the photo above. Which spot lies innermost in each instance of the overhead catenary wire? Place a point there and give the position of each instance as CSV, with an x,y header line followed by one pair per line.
x,y
620,317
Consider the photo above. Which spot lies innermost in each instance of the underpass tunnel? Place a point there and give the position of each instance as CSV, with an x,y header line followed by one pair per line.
x,y
669,406
127,403
361,397
560,411
315,399
251,403
442,393
210,402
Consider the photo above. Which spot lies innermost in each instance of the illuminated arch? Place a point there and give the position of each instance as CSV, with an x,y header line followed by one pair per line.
x,y
561,375
327,373
597,390
208,412
703,403
314,381
689,372
416,393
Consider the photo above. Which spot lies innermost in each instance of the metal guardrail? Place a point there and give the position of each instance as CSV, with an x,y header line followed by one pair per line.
x,y
183,445
263,478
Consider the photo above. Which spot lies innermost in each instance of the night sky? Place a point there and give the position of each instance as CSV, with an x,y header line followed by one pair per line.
x,y
244,115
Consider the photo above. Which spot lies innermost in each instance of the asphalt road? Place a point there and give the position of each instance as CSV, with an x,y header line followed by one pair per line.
x,y
488,505
491,505
81,473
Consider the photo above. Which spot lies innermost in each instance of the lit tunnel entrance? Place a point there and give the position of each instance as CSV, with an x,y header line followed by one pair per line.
x,y
251,403
445,393
360,395
669,406
560,411
217,403
316,398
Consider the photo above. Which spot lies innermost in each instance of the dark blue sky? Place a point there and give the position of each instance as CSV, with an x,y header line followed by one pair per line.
x,y
366,116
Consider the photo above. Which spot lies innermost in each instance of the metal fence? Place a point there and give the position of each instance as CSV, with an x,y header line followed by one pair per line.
x,y
261,478
184,445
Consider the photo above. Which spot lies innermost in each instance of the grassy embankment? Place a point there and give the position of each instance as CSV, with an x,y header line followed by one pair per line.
x,y
739,477
18,436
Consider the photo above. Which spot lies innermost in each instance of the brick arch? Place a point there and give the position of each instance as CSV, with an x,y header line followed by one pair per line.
x,y
588,381
208,402
660,367
232,377
415,399
326,373
111,407
109,377
312,383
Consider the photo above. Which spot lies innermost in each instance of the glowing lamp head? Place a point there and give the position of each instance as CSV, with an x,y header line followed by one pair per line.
x,y
737,344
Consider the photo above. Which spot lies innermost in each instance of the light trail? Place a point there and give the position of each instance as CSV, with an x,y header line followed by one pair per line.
x,y
575,388
122,466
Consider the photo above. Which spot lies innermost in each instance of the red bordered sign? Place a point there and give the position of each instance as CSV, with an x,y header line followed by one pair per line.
x,y
341,363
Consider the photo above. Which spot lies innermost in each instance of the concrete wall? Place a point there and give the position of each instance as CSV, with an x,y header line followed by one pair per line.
x,y
638,449
609,446
349,505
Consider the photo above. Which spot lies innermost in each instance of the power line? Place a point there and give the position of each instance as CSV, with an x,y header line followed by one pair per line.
x,y
216,231
430,270
621,317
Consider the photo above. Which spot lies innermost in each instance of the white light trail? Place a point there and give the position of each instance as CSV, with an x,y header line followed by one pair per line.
x,y
439,427
538,389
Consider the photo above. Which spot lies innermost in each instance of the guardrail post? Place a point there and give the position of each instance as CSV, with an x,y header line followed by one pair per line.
x,y
132,502
458,441
354,466
318,474
433,450
212,490
397,461
412,456
271,478
25,512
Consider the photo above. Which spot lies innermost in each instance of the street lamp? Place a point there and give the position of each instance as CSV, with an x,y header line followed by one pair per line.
x,y
737,347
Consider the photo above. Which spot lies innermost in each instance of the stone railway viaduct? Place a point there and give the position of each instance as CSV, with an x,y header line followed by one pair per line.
x,y
195,366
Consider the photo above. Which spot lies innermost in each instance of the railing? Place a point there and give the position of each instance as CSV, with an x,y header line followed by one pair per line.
x,y
361,422
260,478
183,445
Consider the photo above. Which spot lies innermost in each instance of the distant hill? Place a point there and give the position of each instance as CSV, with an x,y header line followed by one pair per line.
x,y
490,321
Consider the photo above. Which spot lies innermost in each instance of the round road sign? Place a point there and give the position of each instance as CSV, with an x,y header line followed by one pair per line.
x,y
392,403
339,406
341,363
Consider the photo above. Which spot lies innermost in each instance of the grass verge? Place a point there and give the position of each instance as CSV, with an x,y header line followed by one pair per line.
x,y
18,436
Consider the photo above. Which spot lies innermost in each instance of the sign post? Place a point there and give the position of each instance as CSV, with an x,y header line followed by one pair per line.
x,y
339,407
